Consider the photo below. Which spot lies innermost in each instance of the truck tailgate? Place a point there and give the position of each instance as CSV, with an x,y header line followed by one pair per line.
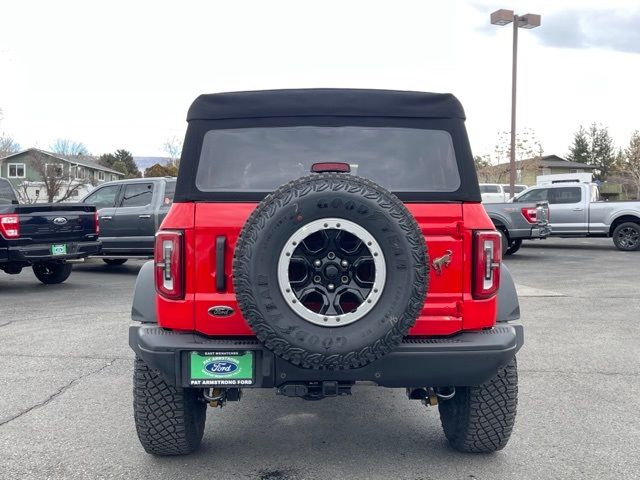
x,y
47,223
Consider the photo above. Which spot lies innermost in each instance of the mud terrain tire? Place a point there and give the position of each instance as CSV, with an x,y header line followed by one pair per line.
x,y
169,420
480,419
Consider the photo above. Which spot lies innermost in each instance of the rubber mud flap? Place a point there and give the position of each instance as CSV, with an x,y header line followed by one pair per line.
x,y
333,298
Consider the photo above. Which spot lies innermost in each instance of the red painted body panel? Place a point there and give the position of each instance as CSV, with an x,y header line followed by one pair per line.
x,y
448,309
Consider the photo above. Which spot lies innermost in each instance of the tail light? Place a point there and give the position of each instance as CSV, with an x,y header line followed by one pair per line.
x,y
10,226
96,222
487,258
530,214
169,264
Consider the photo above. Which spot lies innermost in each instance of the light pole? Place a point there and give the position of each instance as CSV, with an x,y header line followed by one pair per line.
x,y
530,20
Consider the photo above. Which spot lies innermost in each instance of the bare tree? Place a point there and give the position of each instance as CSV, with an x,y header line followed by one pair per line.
x,y
527,146
60,183
25,195
64,146
173,148
8,146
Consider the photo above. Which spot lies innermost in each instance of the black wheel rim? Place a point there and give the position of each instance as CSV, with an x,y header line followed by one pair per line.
x,y
628,237
331,272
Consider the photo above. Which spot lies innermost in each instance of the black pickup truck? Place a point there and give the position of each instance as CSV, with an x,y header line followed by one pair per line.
x,y
45,236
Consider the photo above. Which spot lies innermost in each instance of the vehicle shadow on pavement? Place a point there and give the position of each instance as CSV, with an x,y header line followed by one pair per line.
x,y
104,269
363,436
568,245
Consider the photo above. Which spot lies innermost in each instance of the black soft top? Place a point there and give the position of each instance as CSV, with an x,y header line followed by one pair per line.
x,y
319,102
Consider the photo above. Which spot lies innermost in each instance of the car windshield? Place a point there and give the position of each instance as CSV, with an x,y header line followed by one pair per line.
x,y
261,159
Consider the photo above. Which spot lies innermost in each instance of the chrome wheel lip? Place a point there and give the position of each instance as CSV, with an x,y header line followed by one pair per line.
x,y
378,260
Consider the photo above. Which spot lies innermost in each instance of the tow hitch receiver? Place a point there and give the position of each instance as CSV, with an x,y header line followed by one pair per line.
x,y
315,390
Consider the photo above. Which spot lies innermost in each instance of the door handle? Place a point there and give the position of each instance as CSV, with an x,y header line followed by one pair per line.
x,y
577,209
106,217
144,216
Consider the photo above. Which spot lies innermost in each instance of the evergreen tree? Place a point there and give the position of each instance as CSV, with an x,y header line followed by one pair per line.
x,y
631,161
594,147
121,161
580,149
603,155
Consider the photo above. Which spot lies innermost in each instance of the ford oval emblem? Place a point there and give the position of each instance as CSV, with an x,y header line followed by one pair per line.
x,y
221,311
221,367
60,221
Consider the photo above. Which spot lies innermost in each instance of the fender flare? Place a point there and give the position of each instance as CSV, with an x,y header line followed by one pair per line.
x,y
508,304
144,296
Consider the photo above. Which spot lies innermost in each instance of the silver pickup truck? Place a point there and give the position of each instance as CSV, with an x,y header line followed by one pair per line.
x,y
526,221
576,211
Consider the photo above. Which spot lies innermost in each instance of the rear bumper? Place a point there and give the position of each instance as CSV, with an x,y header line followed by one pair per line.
x,y
29,254
533,233
468,358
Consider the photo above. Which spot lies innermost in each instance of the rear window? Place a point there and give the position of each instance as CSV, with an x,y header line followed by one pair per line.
x,y
489,189
261,159
565,195
169,192
137,195
6,192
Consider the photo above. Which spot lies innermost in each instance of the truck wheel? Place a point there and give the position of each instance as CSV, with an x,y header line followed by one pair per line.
x,y
51,273
169,420
345,276
480,419
626,236
114,262
514,246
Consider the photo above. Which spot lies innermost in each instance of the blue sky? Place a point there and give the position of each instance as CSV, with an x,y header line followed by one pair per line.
x,y
122,74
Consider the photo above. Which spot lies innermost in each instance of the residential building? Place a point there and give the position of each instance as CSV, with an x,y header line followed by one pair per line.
x,y
527,170
31,170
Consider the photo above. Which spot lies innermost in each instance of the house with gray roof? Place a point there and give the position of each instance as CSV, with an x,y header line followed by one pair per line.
x,y
75,176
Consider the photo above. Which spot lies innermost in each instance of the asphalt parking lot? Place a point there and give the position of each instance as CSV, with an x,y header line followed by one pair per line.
x,y
65,389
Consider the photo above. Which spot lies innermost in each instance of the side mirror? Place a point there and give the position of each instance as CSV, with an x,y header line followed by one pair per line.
x,y
15,202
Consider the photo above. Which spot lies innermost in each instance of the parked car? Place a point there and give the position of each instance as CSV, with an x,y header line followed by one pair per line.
x,y
525,221
130,213
576,211
269,276
498,192
44,236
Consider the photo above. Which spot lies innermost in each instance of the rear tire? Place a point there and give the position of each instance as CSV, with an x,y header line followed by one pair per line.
x,y
52,273
169,420
626,237
514,246
114,262
480,419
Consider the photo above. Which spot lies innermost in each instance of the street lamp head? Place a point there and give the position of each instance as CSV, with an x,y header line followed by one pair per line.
x,y
502,17
530,20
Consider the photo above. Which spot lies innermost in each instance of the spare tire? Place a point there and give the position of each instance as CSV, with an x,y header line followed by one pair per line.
x,y
331,271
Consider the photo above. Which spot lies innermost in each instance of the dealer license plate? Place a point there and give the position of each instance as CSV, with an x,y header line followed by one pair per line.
x,y
58,249
221,368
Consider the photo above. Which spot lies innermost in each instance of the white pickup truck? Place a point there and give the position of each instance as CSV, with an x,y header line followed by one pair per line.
x,y
575,210
498,192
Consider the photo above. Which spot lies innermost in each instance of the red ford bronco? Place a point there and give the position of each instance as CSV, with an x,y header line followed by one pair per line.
x,y
319,238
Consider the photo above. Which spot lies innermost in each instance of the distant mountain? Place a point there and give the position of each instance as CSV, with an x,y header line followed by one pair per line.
x,y
146,162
